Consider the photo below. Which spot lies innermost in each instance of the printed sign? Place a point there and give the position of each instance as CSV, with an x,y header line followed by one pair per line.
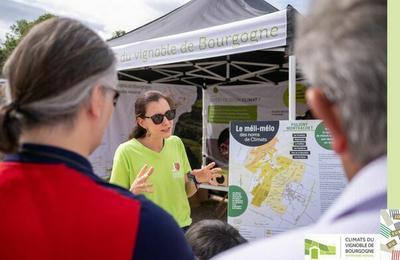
x,y
282,175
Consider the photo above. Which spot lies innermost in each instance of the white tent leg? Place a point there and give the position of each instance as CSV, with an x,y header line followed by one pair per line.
x,y
292,87
204,124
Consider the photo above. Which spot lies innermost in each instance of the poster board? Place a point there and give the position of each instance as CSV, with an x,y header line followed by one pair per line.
x,y
283,175
243,102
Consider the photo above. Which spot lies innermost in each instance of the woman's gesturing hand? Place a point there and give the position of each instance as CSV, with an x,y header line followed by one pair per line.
x,y
207,174
141,184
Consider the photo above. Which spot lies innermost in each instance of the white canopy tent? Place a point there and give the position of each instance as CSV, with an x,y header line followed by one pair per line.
x,y
210,42
207,43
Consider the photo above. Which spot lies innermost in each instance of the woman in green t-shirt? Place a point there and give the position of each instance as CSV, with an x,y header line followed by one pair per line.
x,y
154,161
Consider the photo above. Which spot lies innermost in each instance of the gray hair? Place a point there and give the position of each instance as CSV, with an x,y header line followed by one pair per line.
x,y
68,102
341,46
210,237
50,76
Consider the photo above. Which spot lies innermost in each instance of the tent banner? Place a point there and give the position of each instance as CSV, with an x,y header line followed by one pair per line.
x,y
244,103
123,119
262,32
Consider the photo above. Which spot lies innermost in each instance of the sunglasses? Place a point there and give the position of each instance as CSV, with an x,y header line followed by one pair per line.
x,y
159,118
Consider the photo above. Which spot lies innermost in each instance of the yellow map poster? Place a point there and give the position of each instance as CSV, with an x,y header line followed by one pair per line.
x,y
283,175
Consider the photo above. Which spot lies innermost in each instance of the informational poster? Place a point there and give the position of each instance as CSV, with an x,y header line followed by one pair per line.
x,y
282,175
244,103
123,119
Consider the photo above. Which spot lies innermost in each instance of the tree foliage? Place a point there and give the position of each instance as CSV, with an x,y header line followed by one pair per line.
x,y
18,31
117,34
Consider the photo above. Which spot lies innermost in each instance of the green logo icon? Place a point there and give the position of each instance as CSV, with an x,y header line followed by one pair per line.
x,y
237,203
314,249
323,137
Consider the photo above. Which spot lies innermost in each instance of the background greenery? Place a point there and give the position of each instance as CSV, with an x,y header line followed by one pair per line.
x,y
189,129
18,31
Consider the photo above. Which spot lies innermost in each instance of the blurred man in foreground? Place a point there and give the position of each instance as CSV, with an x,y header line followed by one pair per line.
x,y
341,46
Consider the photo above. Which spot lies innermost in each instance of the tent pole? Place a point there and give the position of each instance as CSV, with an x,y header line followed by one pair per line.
x,y
204,125
228,67
292,87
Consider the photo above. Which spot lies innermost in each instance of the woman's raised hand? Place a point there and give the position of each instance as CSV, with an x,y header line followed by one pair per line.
x,y
208,174
141,184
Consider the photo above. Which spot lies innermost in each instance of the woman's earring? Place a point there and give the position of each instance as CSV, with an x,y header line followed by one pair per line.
x,y
148,134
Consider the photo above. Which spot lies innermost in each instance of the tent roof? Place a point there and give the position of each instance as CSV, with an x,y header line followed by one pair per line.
x,y
264,66
195,15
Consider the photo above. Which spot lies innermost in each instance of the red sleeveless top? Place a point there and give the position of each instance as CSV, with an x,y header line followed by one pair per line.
x,y
49,211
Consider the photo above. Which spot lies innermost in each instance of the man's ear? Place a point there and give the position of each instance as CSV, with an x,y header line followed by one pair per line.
x,y
96,102
328,112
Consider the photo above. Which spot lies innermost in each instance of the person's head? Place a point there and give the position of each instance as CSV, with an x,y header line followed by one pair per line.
x,y
154,114
341,46
223,144
307,116
210,237
61,75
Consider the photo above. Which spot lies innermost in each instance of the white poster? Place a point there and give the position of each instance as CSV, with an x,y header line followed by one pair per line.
x,y
282,175
262,32
244,102
123,118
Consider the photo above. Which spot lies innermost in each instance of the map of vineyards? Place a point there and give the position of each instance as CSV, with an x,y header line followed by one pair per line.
x,y
275,186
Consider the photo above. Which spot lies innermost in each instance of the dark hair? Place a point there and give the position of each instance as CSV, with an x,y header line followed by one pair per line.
x,y
223,136
141,106
308,115
210,237
51,60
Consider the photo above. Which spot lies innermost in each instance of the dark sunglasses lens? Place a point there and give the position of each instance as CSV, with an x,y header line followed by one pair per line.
x,y
170,114
157,118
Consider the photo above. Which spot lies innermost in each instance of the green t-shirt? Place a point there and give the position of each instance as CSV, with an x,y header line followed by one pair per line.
x,y
168,178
